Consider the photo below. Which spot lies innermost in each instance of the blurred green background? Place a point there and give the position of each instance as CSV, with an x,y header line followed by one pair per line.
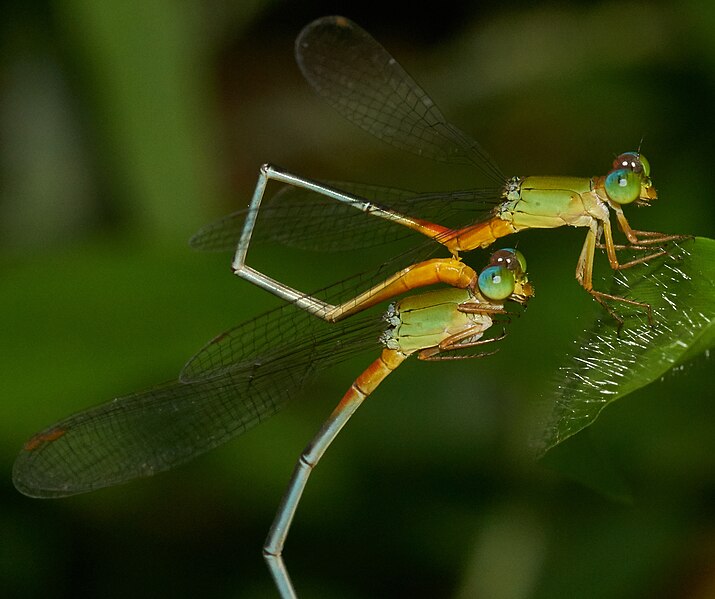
x,y
125,126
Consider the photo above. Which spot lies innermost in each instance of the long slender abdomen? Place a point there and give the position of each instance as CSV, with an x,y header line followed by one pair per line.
x,y
480,235
371,377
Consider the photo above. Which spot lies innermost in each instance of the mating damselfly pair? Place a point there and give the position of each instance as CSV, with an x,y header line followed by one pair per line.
x,y
247,374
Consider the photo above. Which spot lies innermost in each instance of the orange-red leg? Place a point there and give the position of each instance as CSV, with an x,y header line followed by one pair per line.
x,y
460,341
584,272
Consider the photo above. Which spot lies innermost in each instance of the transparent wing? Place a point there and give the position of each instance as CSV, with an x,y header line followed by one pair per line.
x,y
361,80
301,218
223,354
147,432
228,351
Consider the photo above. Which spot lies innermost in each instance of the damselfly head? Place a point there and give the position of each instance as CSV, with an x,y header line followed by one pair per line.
x,y
505,277
629,180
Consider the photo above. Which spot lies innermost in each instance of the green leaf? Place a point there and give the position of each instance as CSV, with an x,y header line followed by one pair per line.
x,y
608,364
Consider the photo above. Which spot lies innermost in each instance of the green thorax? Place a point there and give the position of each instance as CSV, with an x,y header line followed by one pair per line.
x,y
545,202
425,320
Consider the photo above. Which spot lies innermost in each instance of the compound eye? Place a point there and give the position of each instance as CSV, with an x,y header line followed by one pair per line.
x,y
645,164
512,258
496,282
623,185
634,161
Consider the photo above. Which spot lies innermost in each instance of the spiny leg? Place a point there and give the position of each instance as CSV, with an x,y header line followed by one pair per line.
x,y
634,243
652,237
363,386
601,298
477,308
584,274
643,259
613,260
623,246
460,341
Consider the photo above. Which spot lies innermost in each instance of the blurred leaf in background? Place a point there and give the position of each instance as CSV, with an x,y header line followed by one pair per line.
x,y
126,126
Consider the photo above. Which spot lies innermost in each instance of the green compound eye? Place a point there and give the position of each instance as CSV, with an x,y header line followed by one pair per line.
x,y
496,282
645,164
512,258
623,185
634,161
